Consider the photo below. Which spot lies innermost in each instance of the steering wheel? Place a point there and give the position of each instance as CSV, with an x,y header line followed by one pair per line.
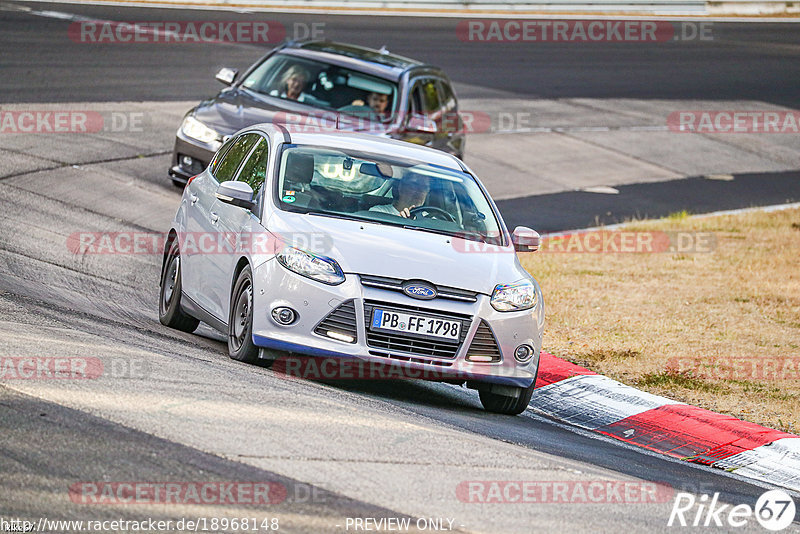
x,y
432,212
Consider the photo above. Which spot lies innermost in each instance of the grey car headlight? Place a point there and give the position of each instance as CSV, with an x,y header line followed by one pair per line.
x,y
310,265
195,129
514,297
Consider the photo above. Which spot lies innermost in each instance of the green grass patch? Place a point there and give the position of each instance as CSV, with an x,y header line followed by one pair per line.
x,y
675,378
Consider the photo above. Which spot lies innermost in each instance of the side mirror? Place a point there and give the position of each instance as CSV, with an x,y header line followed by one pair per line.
x,y
421,124
525,239
237,194
226,75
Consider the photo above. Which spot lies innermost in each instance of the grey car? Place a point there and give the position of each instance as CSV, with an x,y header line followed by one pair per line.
x,y
414,102
353,247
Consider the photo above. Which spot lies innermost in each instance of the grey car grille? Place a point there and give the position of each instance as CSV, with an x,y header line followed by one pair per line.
x,y
342,320
396,284
411,343
412,359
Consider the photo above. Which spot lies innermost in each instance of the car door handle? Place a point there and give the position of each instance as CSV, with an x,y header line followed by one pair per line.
x,y
214,218
193,198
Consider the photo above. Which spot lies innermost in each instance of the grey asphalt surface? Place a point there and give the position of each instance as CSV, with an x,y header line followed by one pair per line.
x,y
40,63
89,449
572,210
372,449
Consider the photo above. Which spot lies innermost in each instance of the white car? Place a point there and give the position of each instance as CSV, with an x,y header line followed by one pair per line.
x,y
343,245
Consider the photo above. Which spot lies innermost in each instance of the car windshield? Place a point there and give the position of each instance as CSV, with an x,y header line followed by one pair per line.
x,y
385,190
324,86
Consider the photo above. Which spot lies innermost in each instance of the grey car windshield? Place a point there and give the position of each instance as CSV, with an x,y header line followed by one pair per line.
x,y
386,190
324,86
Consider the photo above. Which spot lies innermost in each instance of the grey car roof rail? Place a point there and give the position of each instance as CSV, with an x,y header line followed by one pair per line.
x,y
422,66
287,138
296,43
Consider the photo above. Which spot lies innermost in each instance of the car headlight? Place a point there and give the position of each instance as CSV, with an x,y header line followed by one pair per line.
x,y
195,129
310,265
514,297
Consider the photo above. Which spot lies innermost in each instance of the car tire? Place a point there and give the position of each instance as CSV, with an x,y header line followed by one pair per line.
x,y
169,299
178,184
240,320
504,404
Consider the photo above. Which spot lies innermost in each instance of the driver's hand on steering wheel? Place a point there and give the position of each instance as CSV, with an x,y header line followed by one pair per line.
x,y
406,212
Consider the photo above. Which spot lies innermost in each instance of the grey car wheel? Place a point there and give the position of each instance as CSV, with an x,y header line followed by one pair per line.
x,y
240,320
494,402
169,302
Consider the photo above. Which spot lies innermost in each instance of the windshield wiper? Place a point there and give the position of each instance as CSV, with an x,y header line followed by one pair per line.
x,y
328,214
431,230
468,237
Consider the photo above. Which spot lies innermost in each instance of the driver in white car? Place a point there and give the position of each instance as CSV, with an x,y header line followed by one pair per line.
x,y
407,194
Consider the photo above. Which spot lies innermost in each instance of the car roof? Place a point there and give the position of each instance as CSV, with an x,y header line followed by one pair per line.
x,y
366,143
377,62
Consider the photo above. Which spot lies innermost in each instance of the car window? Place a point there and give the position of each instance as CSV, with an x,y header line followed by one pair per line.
x,y
425,97
254,171
220,154
447,96
322,85
226,168
451,121
378,187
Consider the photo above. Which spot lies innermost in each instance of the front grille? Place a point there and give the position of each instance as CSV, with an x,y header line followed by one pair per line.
x,y
411,359
342,320
411,343
484,344
396,284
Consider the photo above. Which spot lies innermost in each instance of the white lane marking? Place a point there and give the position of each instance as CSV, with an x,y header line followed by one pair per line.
x,y
53,14
60,15
601,189
593,401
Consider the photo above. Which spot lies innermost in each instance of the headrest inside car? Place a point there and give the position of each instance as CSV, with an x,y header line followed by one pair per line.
x,y
299,168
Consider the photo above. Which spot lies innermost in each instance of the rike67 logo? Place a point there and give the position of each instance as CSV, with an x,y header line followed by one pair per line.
x,y
774,510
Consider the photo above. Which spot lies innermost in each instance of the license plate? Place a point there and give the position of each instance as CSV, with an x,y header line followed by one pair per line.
x,y
415,324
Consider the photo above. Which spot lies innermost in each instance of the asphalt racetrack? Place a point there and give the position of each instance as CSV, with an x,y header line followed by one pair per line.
x,y
178,409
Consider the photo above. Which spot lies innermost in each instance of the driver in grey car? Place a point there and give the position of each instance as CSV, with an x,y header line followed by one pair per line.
x,y
407,194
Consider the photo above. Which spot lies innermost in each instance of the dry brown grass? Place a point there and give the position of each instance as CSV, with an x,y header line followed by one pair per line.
x,y
625,315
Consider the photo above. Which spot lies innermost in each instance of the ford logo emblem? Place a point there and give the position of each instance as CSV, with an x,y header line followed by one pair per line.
x,y
418,290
